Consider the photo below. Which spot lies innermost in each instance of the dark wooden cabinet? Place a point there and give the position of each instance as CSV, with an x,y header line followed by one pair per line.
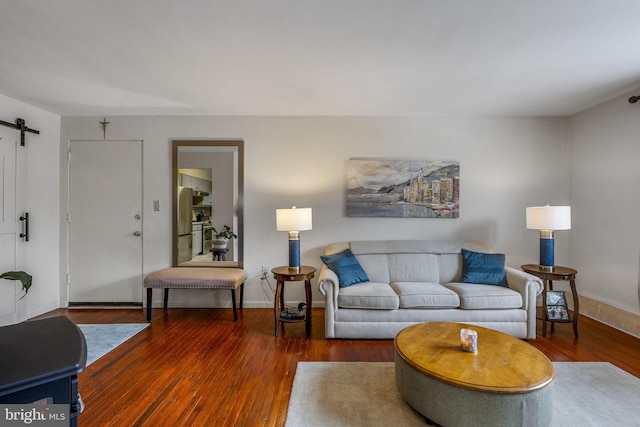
x,y
41,360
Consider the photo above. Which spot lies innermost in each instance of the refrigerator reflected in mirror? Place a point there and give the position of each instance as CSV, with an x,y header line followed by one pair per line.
x,y
185,238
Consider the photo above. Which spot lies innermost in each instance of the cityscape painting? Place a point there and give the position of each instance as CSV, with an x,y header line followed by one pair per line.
x,y
403,188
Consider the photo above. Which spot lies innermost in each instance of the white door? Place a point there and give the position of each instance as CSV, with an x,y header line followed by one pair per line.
x,y
12,308
105,222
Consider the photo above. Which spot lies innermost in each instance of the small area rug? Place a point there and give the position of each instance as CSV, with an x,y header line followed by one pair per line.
x,y
365,394
102,338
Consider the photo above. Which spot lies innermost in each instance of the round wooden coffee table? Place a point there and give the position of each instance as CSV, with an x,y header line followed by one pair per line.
x,y
507,382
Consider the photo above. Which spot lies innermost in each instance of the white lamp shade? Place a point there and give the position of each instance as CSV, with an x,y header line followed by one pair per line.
x,y
549,218
294,219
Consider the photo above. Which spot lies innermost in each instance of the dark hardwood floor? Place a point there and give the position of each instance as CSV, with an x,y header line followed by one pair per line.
x,y
197,367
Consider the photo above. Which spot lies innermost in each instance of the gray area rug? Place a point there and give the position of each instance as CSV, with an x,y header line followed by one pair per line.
x,y
365,394
102,338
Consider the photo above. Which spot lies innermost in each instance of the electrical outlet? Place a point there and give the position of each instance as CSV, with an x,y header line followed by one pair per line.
x,y
265,272
156,205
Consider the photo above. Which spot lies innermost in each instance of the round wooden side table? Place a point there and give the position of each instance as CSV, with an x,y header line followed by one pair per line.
x,y
286,274
548,276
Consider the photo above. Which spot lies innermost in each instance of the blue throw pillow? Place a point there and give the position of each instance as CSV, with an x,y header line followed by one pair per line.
x,y
483,269
347,268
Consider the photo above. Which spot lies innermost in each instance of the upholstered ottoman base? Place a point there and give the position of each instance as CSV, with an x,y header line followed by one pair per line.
x,y
450,405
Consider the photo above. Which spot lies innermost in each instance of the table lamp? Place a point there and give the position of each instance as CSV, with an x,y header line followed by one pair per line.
x,y
547,219
294,221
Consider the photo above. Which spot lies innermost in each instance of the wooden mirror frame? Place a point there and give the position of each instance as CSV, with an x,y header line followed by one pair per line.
x,y
175,150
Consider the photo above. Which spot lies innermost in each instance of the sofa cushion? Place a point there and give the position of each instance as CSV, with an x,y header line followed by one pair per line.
x,y
487,269
425,295
376,266
346,267
479,297
414,268
372,295
450,266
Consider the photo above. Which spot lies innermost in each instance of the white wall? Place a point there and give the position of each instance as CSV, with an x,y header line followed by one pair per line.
x,y
41,201
604,151
506,164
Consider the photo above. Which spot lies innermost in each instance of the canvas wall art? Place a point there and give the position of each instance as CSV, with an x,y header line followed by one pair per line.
x,y
403,188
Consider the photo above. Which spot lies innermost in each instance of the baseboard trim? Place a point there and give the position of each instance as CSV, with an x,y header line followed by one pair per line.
x,y
615,317
124,305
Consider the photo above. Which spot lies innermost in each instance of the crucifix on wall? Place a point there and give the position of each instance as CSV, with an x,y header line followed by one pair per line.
x,y
104,124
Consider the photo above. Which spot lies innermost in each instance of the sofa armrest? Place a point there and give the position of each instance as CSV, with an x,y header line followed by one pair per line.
x,y
529,287
527,284
329,286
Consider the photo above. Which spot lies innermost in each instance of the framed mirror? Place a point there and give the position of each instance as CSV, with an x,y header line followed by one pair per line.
x,y
207,185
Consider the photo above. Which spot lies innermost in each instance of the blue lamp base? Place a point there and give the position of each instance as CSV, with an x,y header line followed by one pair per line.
x,y
294,250
546,250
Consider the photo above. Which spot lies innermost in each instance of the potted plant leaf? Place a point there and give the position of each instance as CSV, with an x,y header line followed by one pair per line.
x,y
23,277
221,238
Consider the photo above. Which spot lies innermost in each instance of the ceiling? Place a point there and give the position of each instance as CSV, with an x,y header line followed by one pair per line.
x,y
318,57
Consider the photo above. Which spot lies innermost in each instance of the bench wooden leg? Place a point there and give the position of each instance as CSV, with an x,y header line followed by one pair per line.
x,y
149,295
166,298
233,303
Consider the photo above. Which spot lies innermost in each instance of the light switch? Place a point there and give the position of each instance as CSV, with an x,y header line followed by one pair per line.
x,y
156,205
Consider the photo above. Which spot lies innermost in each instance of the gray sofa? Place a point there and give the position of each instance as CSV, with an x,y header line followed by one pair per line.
x,y
414,281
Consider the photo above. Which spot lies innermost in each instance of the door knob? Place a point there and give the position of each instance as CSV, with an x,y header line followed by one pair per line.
x,y
137,233
137,216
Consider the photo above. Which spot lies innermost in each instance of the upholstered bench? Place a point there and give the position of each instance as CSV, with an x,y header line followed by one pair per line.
x,y
196,278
